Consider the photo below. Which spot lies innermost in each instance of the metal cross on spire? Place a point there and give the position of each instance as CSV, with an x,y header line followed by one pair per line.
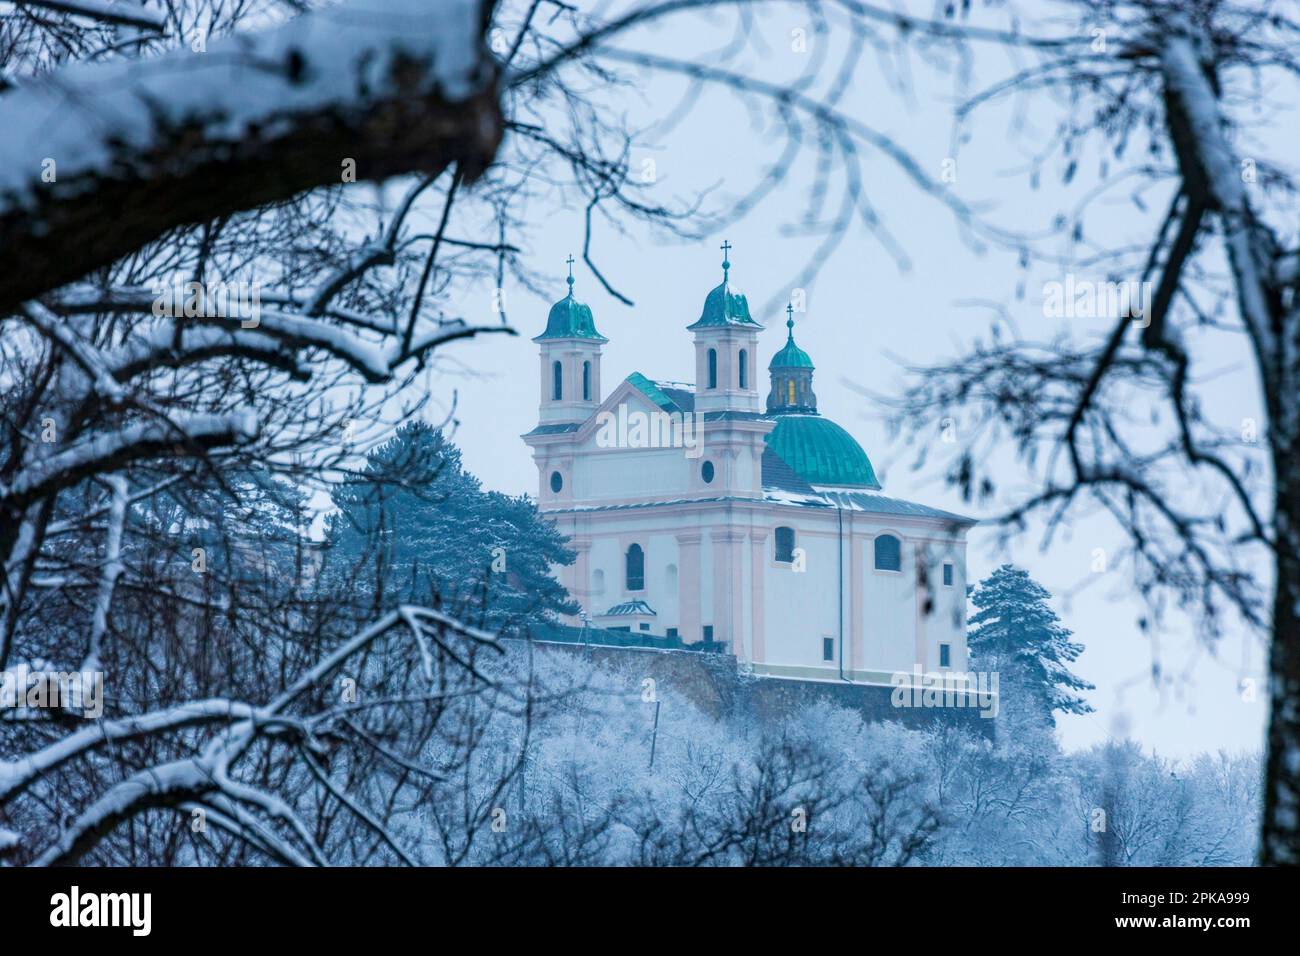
x,y
789,318
726,261
570,262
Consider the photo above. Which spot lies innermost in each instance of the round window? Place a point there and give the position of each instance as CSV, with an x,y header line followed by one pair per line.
x,y
556,482
706,472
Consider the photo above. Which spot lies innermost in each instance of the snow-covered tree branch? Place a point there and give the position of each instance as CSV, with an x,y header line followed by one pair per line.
x,y
358,91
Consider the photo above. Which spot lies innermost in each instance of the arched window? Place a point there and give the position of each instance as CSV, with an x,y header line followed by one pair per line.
x,y
635,568
744,376
785,544
889,553
557,381
713,368
790,392
586,381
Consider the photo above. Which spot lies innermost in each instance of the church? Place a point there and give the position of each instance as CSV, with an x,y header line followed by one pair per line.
x,y
702,512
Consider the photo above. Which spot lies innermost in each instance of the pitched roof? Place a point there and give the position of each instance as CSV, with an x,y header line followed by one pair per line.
x,y
670,396
877,502
630,608
554,429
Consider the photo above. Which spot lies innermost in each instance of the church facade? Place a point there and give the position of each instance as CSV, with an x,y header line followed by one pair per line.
x,y
707,512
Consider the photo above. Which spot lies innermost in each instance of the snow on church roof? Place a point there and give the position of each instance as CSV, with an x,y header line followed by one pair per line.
x,y
630,609
670,396
878,502
866,502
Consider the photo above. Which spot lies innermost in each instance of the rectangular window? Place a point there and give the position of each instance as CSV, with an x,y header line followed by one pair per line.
x,y
785,545
945,655
889,553
645,627
947,575
672,632
708,632
828,648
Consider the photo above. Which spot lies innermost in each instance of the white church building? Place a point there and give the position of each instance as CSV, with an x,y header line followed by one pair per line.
x,y
706,513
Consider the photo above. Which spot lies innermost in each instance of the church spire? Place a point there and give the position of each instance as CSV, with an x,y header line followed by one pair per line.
x,y
723,306
792,371
569,318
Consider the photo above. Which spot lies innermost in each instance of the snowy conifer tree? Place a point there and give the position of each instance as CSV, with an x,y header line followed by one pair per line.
x,y
1017,635
419,520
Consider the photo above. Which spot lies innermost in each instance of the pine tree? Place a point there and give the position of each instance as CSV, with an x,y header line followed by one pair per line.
x,y
416,526
1015,634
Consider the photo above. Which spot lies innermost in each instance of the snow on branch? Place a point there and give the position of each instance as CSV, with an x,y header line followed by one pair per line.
x,y
17,774
205,779
122,14
383,86
107,451
376,361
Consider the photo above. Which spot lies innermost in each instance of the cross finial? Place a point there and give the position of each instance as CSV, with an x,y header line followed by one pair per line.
x,y
726,260
789,318
570,262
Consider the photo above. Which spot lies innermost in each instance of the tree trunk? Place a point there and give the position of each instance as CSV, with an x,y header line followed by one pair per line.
x,y
1280,832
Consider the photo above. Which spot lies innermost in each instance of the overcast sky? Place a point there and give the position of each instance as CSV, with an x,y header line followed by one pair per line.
x,y
863,311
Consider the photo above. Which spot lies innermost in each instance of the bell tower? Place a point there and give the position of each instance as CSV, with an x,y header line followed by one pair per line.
x,y
570,362
726,347
791,371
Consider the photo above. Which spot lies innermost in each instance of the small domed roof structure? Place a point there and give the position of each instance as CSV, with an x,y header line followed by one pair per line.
x,y
790,356
570,319
724,306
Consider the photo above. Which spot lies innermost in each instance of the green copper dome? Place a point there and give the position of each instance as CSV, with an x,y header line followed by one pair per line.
x,y
570,319
722,307
821,452
791,356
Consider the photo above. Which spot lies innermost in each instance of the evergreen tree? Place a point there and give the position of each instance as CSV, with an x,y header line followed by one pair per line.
x,y
1015,634
415,526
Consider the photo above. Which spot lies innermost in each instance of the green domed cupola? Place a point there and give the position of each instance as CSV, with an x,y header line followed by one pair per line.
x,y
792,371
790,356
722,306
816,449
570,319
